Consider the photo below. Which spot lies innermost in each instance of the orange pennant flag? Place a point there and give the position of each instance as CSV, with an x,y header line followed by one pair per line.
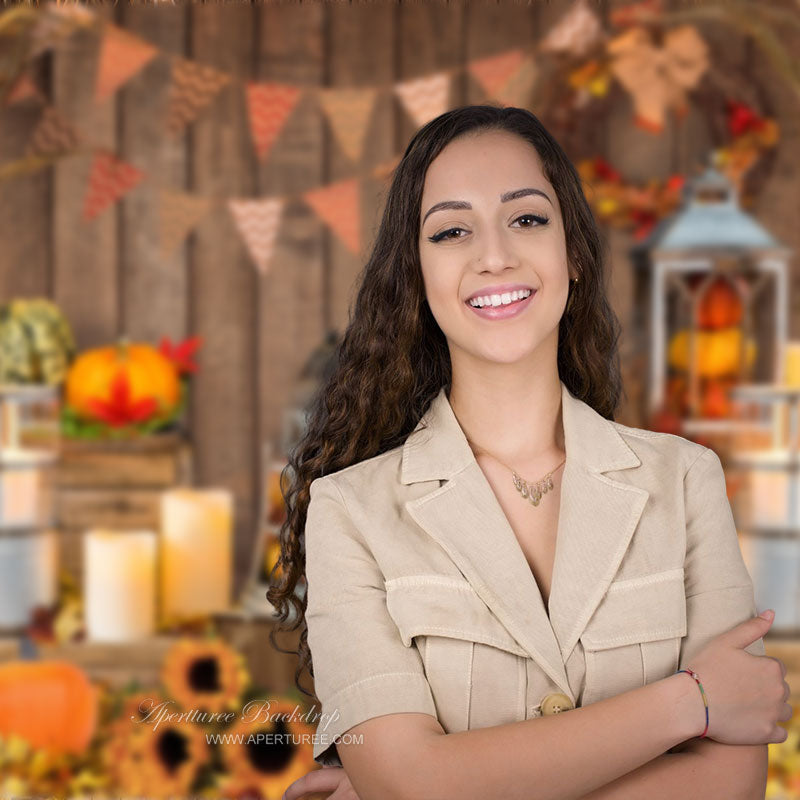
x,y
109,179
122,55
269,105
493,73
348,112
338,205
517,89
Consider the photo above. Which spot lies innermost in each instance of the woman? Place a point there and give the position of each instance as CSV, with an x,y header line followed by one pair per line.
x,y
483,545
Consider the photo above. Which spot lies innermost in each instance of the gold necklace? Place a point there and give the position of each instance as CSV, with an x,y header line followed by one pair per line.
x,y
530,491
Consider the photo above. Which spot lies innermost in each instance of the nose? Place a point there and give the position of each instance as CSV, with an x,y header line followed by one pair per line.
x,y
494,252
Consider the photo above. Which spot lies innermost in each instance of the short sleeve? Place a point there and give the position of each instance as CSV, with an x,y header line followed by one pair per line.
x,y
362,669
719,589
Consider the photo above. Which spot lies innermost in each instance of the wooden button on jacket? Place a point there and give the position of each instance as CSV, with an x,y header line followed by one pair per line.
x,y
420,597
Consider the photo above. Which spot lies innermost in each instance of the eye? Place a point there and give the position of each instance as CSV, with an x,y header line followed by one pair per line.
x,y
541,220
444,235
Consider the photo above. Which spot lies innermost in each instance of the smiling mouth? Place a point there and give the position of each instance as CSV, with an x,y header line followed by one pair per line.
x,y
500,300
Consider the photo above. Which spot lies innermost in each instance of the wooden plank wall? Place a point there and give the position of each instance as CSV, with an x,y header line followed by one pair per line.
x,y
258,330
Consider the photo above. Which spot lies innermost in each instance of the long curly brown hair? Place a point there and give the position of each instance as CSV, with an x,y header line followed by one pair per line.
x,y
393,358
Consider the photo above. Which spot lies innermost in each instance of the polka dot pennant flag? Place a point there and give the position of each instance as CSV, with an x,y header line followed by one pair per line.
x,y
258,221
269,105
194,86
338,205
122,55
348,112
425,98
110,178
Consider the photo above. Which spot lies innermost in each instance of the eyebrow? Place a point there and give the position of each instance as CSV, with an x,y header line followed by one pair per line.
x,y
461,205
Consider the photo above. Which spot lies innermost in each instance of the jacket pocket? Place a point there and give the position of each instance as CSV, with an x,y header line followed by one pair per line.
x,y
475,668
634,636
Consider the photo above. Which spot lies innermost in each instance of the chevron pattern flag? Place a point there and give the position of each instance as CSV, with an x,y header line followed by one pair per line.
x,y
425,98
348,112
269,105
258,222
122,55
194,86
53,135
109,179
517,89
179,213
494,72
338,205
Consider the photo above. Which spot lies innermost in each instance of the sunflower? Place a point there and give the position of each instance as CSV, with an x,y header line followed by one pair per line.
x,y
261,767
159,762
205,674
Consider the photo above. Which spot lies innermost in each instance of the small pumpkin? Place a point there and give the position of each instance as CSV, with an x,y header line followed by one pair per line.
x,y
720,307
718,352
51,704
136,375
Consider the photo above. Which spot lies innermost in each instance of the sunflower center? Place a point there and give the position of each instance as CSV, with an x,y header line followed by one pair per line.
x,y
204,675
172,750
272,757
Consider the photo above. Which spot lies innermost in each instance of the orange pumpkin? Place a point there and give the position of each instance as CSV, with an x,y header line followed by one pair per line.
x,y
148,371
720,307
50,704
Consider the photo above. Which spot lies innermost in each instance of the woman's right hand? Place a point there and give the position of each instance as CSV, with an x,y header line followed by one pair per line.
x,y
747,695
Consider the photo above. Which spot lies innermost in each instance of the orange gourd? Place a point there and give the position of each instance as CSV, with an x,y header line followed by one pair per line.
x,y
50,704
148,371
720,307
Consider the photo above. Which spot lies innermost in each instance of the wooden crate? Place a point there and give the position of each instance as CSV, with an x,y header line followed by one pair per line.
x,y
117,663
269,668
115,485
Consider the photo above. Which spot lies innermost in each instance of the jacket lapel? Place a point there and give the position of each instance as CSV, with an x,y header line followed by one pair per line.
x,y
597,518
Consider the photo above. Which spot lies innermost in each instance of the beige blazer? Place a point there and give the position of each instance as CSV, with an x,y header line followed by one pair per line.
x,y
420,597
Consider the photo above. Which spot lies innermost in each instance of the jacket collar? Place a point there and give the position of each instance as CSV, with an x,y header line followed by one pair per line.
x,y
597,517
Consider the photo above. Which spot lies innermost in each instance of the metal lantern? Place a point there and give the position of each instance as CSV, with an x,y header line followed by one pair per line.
x,y
29,447
711,293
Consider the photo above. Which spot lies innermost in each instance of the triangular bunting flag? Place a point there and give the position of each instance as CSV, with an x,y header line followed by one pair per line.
x,y
179,213
194,86
348,112
337,204
385,168
258,221
53,135
23,89
269,105
517,90
122,55
425,98
494,72
576,33
109,179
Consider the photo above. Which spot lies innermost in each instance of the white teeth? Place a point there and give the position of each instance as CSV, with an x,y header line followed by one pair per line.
x,y
499,299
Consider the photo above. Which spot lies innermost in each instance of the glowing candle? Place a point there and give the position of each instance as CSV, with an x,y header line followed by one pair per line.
x,y
196,551
119,584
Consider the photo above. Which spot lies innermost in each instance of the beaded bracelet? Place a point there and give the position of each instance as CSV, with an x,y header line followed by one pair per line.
x,y
694,675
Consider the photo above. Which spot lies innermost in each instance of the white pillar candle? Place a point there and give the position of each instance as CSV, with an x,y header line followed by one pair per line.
x,y
196,551
119,584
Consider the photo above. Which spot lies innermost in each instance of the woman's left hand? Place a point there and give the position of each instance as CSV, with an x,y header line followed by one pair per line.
x,y
327,779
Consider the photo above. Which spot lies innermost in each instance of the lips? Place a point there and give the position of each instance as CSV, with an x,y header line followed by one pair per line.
x,y
503,311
